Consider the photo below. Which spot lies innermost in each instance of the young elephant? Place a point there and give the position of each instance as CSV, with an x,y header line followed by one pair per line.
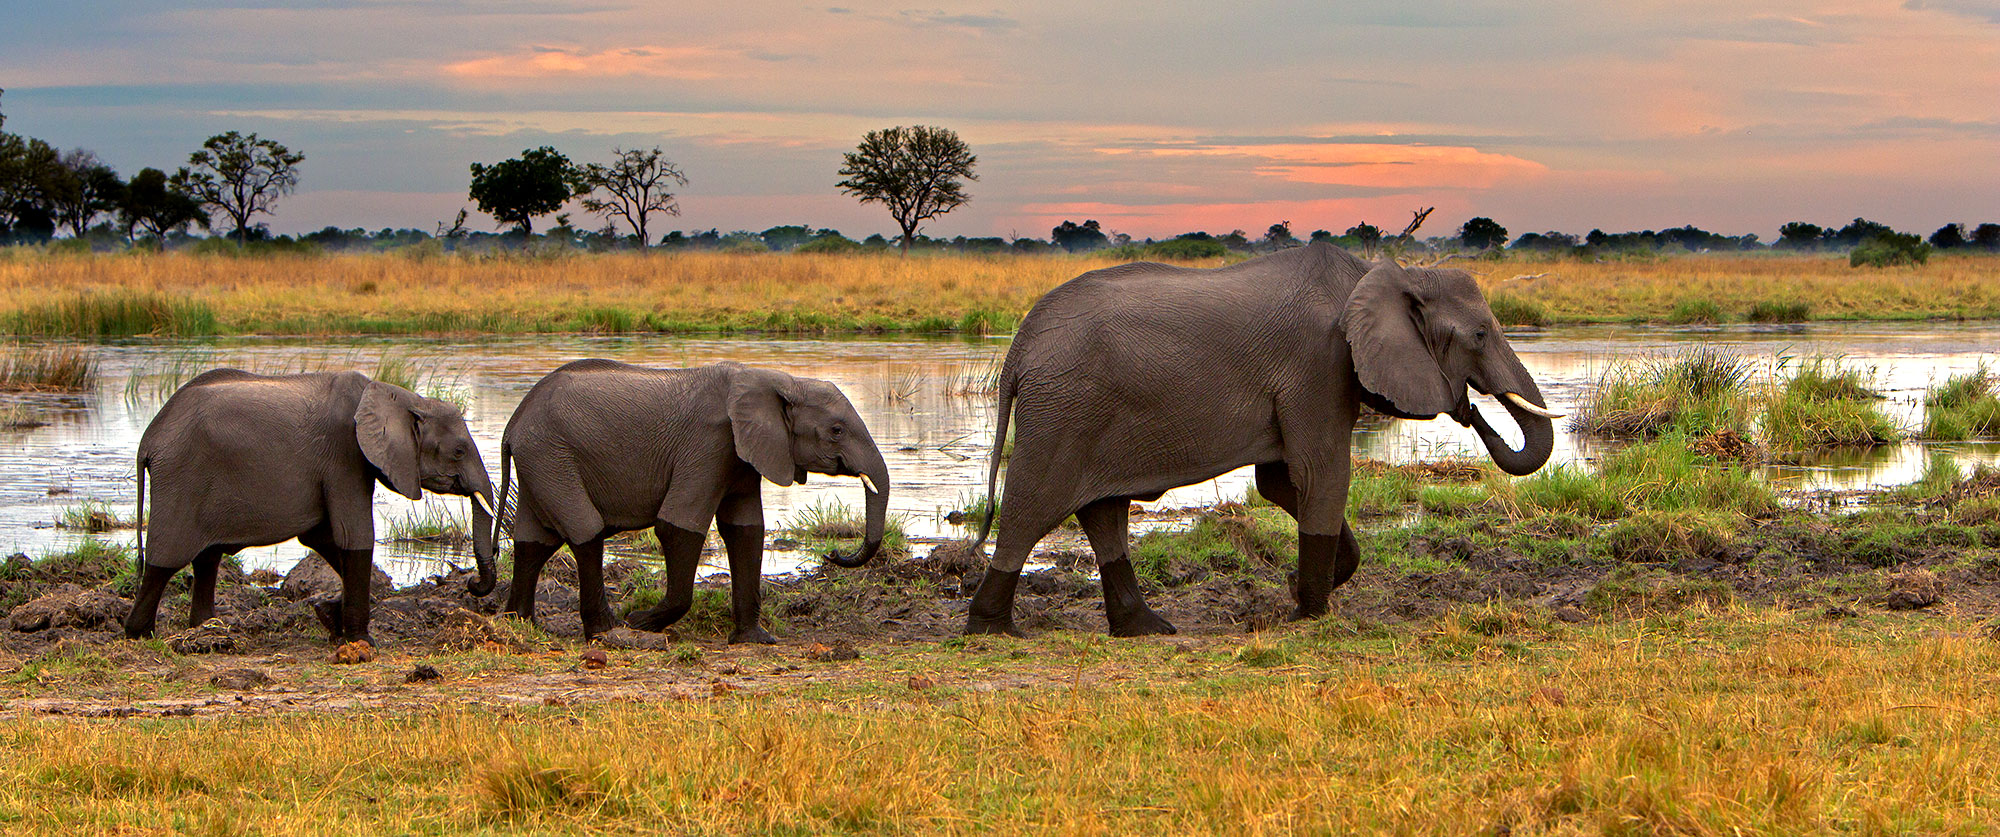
x,y
240,460
603,447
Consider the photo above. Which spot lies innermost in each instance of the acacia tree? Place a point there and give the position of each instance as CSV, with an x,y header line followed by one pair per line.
x,y
1482,233
514,191
913,170
239,175
152,202
85,189
638,185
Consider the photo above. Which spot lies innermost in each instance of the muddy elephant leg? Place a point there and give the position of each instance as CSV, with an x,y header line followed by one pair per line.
x,y
681,549
201,597
529,557
357,569
1107,522
592,601
746,581
146,603
1325,561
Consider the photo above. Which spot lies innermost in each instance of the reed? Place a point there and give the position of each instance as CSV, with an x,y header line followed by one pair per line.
x,y
1963,407
47,369
1824,404
1702,390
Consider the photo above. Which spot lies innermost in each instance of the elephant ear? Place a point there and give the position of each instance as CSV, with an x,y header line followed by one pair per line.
x,y
757,418
386,427
1383,322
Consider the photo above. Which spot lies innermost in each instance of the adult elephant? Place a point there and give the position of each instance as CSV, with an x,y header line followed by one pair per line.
x,y
1132,380
240,460
603,447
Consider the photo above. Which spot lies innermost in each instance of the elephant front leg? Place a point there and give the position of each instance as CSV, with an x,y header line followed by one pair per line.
x,y
357,570
681,549
746,581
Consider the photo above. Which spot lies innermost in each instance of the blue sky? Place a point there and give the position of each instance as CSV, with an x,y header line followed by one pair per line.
x,y
1154,118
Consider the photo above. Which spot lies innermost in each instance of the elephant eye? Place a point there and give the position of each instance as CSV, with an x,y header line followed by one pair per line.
x,y
837,430
1479,336
458,452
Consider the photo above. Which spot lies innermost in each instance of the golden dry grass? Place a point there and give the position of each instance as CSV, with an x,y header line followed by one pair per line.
x,y
1723,721
398,293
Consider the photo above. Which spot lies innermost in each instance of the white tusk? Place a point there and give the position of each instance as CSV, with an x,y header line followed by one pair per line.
x,y
1525,404
870,485
480,498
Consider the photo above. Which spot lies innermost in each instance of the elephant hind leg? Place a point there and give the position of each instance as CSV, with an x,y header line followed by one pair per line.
x,y
595,607
201,597
992,608
682,550
529,556
1107,523
146,603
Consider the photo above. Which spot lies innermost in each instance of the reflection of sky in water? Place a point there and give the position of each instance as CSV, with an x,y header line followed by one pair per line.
x,y
912,392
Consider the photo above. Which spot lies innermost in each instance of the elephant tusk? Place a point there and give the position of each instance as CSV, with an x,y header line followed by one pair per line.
x,y
1525,404
484,505
869,484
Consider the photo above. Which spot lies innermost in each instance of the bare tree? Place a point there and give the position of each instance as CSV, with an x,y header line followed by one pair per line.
x,y
914,171
240,176
638,183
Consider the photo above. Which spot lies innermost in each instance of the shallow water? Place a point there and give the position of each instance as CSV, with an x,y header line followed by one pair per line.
x,y
922,400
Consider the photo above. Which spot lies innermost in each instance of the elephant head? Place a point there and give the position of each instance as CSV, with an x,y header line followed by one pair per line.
x,y
422,444
1420,337
786,426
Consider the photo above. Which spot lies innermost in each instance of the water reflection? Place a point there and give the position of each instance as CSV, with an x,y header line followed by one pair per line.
x,y
925,400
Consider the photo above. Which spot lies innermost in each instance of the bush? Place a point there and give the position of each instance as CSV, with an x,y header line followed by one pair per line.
x,y
1888,249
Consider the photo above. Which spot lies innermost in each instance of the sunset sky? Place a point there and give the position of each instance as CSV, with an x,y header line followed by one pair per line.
x,y
1154,118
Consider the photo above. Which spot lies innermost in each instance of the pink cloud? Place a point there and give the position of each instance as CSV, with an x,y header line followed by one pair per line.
x,y
622,62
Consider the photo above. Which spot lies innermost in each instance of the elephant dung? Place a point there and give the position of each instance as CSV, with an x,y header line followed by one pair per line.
x,y
68,606
240,679
839,650
210,637
358,651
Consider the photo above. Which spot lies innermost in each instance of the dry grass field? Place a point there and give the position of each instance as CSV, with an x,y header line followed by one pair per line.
x,y
178,293
1729,720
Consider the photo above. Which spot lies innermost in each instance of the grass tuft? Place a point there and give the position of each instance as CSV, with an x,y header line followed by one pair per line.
x,y
1824,404
1963,407
47,369
1703,390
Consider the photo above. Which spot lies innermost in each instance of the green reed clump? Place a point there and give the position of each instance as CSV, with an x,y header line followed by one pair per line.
x,y
430,524
1963,407
47,369
1824,404
1702,390
1696,312
1665,474
1511,310
1770,311
119,313
826,522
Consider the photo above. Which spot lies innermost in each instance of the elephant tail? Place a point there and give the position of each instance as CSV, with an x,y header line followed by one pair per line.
x,y
1010,383
139,523
503,517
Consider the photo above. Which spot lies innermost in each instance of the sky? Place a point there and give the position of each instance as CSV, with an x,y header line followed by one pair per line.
x,y
1153,118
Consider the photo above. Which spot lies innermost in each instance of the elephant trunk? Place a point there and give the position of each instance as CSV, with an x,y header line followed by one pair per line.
x,y
875,482
483,535
1538,437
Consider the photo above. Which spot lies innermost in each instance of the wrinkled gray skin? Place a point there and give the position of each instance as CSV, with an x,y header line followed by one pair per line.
x,y
603,447
1132,380
240,460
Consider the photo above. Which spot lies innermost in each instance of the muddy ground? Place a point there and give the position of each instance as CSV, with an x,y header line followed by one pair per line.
x,y
62,650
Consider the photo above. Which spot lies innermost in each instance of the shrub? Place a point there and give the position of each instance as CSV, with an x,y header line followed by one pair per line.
x,y
1888,249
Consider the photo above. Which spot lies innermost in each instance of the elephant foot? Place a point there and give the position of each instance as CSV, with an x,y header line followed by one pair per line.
x,y
992,609
754,634
1302,612
1003,626
328,612
598,626
138,631
1143,622
656,619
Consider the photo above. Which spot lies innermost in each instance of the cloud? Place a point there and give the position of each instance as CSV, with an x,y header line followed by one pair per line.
x,y
1369,165
542,62
994,22
1986,10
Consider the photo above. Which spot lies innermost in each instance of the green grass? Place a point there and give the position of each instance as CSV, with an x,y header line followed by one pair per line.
x,y
92,516
1701,390
1511,310
47,369
1774,311
1374,491
1824,404
1231,539
1963,407
428,524
1696,312
1661,475
119,313
830,523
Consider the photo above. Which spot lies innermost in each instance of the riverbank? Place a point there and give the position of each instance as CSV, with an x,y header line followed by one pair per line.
x,y
1509,656
183,294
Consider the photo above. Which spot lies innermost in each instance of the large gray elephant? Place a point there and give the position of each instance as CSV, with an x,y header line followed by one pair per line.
x,y
603,447
1132,380
240,460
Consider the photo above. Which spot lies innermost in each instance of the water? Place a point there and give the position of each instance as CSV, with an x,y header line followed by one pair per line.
x,y
922,400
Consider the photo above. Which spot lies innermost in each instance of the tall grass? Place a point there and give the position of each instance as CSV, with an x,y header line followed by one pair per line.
x,y
1825,404
1963,407
1665,475
1702,390
827,522
182,294
47,369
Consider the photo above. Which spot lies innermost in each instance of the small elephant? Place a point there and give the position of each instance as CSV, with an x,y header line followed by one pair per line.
x,y
240,460
603,447
1131,380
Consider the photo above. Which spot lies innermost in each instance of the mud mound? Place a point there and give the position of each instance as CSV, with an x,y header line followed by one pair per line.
x,y
1730,445
69,607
